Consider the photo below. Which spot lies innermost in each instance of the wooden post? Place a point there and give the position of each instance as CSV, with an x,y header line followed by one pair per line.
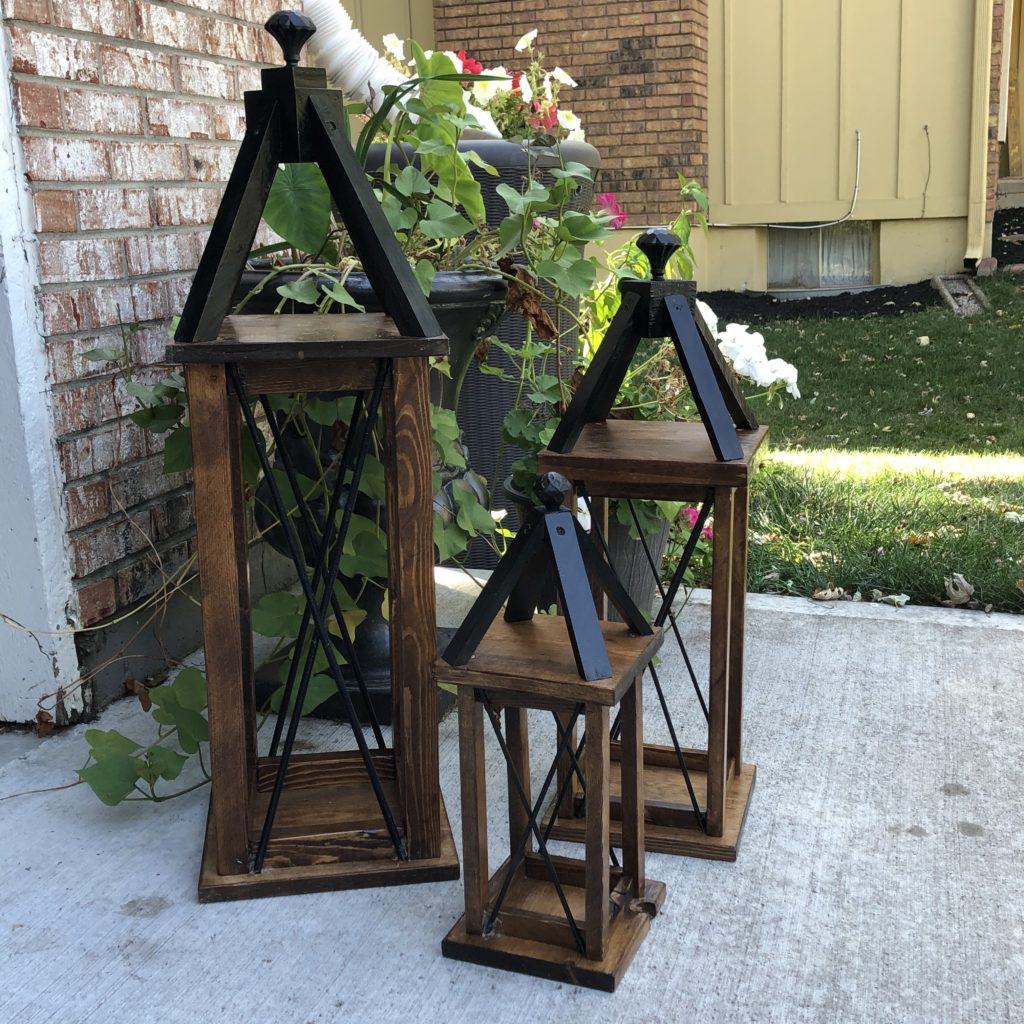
x,y
718,694
223,571
412,607
632,768
598,845
474,808
737,626
518,740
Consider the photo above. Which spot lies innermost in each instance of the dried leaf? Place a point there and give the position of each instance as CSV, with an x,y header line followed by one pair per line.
x,y
141,690
896,600
829,593
1020,585
524,298
958,590
44,723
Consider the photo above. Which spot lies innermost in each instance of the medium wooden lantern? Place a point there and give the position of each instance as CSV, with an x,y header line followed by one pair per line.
x,y
696,800
285,822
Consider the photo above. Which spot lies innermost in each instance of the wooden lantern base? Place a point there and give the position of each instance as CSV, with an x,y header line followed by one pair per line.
x,y
328,834
532,936
669,822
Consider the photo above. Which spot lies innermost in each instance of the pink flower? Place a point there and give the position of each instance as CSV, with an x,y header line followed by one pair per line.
x,y
692,514
607,204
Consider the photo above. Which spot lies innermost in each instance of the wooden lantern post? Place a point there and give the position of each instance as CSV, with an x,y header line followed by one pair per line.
x,y
283,822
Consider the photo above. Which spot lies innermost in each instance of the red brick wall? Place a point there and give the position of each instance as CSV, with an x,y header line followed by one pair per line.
x,y
128,112
998,28
641,66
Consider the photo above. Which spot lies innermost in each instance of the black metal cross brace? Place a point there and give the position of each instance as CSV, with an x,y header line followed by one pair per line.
x,y
668,596
533,814
325,572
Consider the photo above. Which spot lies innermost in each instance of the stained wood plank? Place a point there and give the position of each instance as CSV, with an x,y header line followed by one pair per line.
x,y
215,887
268,337
223,580
719,671
534,660
474,809
737,629
597,760
651,459
313,770
631,786
412,610
288,376
517,738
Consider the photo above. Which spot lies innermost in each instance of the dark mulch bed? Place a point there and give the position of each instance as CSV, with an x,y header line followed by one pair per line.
x,y
1008,236
755,307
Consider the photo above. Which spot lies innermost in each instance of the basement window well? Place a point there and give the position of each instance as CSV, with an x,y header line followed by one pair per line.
x,y
834,258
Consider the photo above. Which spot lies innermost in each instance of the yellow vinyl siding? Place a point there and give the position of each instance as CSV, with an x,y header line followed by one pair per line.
x,y
791,81
406,18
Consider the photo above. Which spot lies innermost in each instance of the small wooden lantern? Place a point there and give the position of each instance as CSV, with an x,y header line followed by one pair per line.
x,y
696,800
354,818
571,920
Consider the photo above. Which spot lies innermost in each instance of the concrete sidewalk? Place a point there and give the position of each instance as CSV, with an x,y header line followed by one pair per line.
x,y
880,879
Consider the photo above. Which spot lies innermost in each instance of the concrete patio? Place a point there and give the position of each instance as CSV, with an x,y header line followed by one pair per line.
x,y
880,879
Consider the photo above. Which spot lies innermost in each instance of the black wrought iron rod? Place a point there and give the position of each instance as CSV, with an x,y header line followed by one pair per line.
x,y
680,757
321,628
320,532
531,826
685,557
671,618
300,640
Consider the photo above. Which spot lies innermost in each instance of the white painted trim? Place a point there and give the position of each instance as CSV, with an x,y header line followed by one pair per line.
x,y
35,567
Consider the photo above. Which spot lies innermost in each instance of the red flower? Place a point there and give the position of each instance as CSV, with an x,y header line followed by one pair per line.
x,y
516,78
543,117
470,64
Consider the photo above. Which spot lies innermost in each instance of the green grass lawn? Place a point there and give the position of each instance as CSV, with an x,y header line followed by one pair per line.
x,y
904,460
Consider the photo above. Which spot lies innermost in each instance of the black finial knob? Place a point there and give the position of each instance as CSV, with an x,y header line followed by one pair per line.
x,y
292,30
657,245
552,489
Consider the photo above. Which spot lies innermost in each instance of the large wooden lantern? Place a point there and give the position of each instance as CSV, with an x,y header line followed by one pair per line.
x,y
283,822
571,920
695,799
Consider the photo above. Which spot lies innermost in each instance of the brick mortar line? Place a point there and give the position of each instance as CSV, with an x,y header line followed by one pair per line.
x,y
88,36
106,88
159,276
101,234
113,568
35,132
118,516
121,183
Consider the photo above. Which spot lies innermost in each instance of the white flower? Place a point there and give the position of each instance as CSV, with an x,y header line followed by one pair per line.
x,y
709,315
563,78
525,89
394,46
746,351
568,120
484,92
576,135
455,59
526,42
